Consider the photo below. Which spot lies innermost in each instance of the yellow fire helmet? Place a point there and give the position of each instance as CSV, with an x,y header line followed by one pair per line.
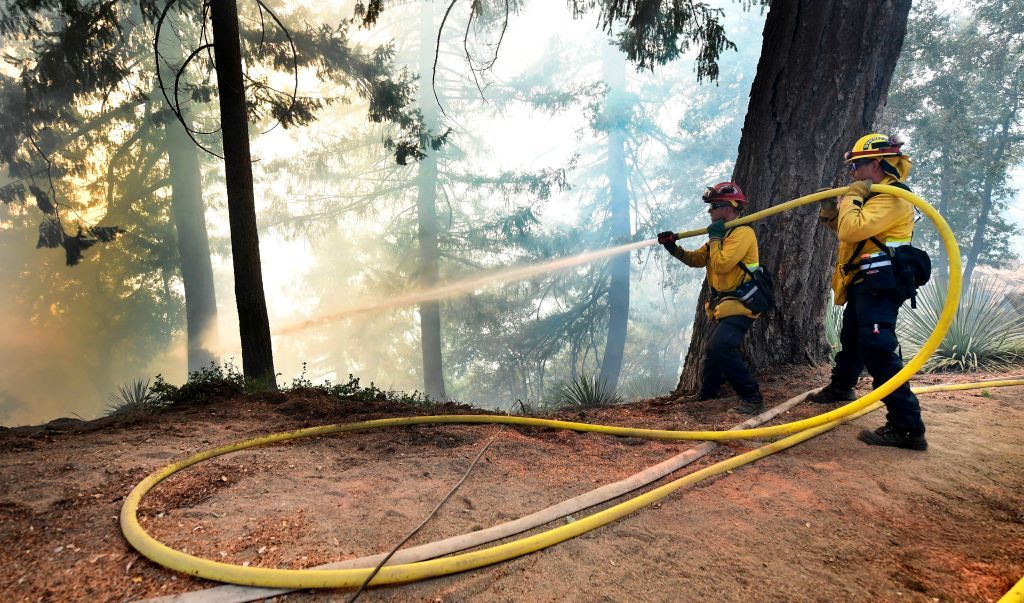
x,y
884,148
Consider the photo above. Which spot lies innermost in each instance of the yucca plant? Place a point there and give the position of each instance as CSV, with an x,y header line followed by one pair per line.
x,y
987,333
134,397
833,326
585,392
645,387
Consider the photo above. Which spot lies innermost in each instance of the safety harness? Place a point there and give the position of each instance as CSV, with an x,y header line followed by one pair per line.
x,y
741,293
881,259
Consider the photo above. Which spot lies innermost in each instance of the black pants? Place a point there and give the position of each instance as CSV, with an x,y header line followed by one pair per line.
x,y
722,360
869,341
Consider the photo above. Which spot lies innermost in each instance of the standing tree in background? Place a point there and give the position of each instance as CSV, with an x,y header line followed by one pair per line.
x,y
253,324
1003,22
619,109
957,96
426,217
806,109
189,210
193,244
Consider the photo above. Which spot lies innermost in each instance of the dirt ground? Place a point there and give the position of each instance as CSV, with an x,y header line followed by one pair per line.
x,y
830,519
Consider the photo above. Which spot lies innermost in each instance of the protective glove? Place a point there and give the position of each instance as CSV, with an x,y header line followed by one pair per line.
x,y
668,240
716,230
828,208
860,188
828,211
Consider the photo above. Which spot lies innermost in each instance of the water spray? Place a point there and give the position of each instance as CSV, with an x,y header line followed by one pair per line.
x,y
469,285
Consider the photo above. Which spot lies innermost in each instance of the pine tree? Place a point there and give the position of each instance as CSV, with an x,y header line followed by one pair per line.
x,y
957,97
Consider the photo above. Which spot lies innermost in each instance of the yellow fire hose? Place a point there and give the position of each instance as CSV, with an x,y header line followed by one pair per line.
x,y
1015,594
807,428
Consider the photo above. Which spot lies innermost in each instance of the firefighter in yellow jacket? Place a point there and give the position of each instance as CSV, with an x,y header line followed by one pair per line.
x,y
722,256
869,226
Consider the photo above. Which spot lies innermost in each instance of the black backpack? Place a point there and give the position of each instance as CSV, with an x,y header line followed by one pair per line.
x,y
757,294
911,266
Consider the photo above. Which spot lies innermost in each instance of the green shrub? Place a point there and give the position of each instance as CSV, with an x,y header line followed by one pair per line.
x,y
987,333
214,381
352,390
585,392
208,382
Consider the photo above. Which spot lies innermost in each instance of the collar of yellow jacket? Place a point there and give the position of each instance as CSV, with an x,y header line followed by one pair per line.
x,y
900,163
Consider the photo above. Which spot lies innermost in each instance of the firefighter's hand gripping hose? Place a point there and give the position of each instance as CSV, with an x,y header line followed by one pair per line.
x,y
803,430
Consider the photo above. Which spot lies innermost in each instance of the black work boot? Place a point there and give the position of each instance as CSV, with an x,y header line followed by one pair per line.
x,y
828,395
887,435
750,406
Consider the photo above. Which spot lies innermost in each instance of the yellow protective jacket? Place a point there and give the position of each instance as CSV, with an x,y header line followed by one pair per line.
x,y
721,258
882,216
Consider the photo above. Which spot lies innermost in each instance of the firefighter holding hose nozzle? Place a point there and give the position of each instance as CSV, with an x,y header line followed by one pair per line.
x,y
730,258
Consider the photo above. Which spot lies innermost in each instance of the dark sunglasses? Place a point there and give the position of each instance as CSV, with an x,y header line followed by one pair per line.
x,y
720,205
859,163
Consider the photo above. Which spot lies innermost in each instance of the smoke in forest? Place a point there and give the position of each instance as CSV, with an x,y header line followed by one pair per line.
x,y
530,155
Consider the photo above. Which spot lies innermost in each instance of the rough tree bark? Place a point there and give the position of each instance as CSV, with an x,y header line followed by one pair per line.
x,y
253,324
618,288
822,78
426,215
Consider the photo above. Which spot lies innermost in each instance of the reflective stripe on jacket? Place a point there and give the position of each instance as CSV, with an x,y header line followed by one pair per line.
x,y
721,259
884,217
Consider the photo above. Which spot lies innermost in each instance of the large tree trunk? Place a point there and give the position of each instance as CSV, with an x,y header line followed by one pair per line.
x,y
193,246
253,324
618,288
824,74
426,213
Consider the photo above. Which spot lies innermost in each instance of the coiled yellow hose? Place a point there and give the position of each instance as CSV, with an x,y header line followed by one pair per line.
x,y
807,428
